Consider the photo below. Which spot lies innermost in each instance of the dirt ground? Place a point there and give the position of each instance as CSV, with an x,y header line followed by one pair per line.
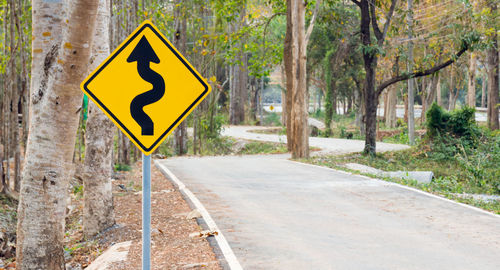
x,y
172,247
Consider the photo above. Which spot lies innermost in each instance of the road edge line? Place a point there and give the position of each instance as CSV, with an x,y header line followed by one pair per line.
x,y
404,187
227,252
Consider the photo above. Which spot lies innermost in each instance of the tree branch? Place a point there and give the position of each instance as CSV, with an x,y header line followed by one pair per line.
x,y
373,16
357,3
421,73
388,18
313,19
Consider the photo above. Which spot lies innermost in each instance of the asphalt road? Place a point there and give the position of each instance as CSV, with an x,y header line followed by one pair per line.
x,y
327,145
279,214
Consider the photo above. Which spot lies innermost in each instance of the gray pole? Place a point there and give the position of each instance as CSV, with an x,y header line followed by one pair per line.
x,y
146,212
260,101
411,81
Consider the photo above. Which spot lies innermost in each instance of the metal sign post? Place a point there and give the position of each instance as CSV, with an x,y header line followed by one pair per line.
x,y
146,212
169,102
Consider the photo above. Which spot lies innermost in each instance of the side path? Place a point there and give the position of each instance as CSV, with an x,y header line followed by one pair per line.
x,y
280,214
327,145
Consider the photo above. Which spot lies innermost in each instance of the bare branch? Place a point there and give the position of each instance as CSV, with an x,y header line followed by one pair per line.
x,y
357,3
313,19
388,18
421,73
373,16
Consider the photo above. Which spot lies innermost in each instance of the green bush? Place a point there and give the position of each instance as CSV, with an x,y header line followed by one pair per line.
x,y
458,123
272,119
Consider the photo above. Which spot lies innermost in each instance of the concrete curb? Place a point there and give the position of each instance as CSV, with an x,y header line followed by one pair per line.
x,y
226,250
403,187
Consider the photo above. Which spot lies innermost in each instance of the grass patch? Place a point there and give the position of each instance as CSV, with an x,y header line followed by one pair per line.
x,y
450,176
256,147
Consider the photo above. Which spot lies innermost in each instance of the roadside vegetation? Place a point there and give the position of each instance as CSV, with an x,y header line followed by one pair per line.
x,y
463,157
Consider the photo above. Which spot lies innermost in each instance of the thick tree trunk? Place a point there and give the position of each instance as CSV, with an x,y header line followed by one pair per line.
x,y
493,68
288,56
98,197
471,89
300,128
58,69
390,114
180,25
295,59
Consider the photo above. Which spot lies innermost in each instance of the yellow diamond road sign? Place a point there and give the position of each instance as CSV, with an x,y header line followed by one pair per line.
x,y
146,87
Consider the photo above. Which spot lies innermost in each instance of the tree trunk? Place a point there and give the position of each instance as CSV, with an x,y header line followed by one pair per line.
x,y
411,81
98,197
57,70
238,90
283,94
471,89
431,95
439,94
493,88
288,56
392,99
451,103
484,92
296,79
180,25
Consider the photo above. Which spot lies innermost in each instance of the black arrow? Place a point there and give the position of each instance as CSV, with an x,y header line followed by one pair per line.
x,y
144,54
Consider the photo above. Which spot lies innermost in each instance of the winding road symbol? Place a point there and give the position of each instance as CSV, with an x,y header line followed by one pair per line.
x,y
143,54
146,87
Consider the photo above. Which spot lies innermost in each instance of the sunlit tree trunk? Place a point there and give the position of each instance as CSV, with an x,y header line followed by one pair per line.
x,y
392,98
471,89
493,79
58,69
98,197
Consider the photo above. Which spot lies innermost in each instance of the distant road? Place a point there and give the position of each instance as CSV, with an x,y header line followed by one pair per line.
x,y
400,112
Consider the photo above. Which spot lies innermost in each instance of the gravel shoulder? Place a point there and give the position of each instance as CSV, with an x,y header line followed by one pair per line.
x,y
172,245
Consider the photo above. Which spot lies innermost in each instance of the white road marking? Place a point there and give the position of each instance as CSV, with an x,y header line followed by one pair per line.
x,y
228,253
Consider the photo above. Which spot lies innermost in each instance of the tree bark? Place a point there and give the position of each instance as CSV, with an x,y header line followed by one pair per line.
x,y
411,81
58,69
471,89
439,94
295,66
239,78
98,196
484,92
392,99
493,79
180,26
430,97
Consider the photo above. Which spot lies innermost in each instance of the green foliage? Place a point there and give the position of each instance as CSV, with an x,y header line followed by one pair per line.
x,y
451,133
272,119
78,191
122,167
253,148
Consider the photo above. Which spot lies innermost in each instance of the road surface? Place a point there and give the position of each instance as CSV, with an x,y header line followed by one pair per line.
x,y
327,145
279,214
